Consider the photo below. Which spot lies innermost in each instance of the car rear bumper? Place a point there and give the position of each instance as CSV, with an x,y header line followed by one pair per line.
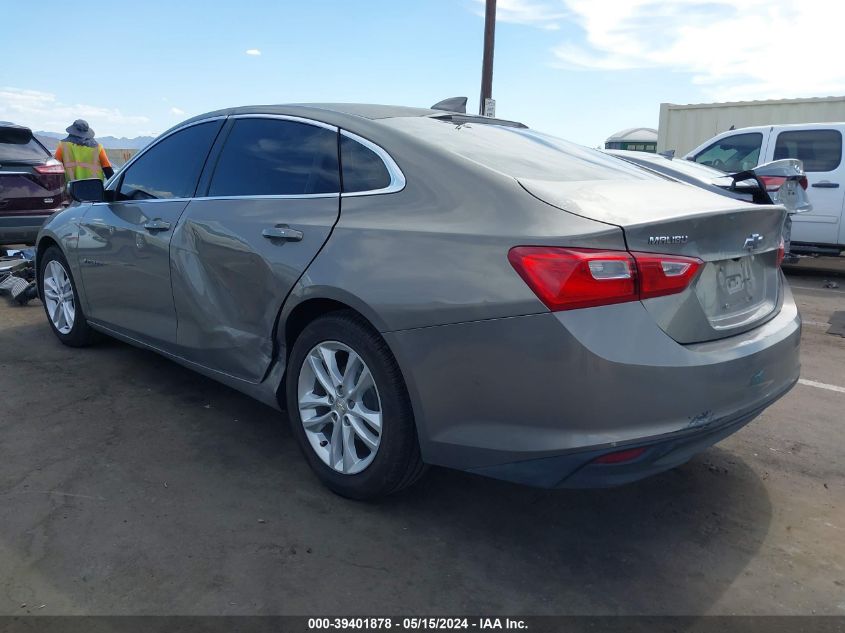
x,y
580,469
22,229
536,398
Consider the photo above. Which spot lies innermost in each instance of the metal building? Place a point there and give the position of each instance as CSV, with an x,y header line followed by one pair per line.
x,y
684,127
643,139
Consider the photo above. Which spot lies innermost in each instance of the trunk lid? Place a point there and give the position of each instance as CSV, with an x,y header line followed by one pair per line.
x,y
738,287
23,191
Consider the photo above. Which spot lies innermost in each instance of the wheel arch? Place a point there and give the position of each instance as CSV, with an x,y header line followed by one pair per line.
x,y
307,311
41,247
307,304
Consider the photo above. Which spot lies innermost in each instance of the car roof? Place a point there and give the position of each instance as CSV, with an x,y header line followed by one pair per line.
x,y
347,115
783,126
334,113
364,110
9,124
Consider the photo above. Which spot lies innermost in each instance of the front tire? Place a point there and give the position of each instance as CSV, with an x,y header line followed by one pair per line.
x,y
61,300
349,408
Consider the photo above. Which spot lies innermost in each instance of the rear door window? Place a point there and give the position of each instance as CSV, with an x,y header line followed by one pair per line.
x,y
18,144
737,152
171,168
363,169
820,150
266,157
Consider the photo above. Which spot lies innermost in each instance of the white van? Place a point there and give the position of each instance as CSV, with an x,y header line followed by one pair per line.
x,y
819,146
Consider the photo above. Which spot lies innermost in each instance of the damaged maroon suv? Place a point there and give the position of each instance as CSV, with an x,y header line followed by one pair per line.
x,y
32,185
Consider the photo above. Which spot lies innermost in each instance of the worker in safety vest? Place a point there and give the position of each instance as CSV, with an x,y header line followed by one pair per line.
x,y
82,156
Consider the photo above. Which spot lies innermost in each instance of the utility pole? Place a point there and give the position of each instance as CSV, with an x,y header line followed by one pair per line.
x,y
485,107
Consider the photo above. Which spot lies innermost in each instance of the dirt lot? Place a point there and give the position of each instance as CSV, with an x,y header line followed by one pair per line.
x,y
129,485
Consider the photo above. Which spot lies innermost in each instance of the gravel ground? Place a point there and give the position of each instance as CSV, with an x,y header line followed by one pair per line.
x,y
129,485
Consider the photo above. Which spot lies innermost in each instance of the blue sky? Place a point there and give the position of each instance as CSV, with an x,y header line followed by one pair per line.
x,y
580,69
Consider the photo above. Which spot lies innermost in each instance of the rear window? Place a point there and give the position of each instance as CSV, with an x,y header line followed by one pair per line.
x,y
18,144
678,166
820,150
519,152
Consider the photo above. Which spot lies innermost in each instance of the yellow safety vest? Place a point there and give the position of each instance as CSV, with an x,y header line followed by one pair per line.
x,y
81,161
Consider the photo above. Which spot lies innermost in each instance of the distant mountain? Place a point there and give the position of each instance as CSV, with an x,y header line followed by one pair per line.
x,y
51,141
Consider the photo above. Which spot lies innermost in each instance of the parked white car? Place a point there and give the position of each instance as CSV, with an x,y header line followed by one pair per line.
x,y
819,146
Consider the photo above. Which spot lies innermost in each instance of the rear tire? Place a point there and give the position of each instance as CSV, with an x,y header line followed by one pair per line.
x,y
353,348
58,293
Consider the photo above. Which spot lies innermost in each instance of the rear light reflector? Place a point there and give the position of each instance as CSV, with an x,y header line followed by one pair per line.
x,y
571,278
781,252
803,182
50,168
620,456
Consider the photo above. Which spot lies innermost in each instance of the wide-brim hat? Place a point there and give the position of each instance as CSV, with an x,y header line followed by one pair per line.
x,y
80,128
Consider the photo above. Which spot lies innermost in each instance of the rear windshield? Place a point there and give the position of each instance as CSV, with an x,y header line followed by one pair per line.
x,y
18,144
677,166
520,153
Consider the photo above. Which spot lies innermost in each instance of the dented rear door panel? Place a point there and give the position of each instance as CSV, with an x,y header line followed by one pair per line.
x,y
229,280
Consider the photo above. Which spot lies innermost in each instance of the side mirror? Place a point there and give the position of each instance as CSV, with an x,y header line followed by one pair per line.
x,y
87,190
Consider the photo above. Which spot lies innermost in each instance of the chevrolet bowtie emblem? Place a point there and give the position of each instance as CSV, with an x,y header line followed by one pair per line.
x,y
752,241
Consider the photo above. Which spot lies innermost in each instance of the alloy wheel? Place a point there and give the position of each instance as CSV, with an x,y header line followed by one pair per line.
x,y
58,297
340,407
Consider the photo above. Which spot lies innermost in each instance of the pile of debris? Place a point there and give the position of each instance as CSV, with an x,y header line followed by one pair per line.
x,y
17,276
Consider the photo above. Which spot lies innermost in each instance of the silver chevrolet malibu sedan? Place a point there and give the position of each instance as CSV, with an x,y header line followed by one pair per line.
x,y
420,286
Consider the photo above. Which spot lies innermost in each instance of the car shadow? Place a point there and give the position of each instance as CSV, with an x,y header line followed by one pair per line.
x,y
156,490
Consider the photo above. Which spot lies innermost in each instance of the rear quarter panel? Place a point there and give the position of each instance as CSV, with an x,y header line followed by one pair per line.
x,y
436,252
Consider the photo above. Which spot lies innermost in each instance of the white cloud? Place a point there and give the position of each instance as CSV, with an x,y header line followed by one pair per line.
x,y
544,15
177,111
735,49
253,51
43,111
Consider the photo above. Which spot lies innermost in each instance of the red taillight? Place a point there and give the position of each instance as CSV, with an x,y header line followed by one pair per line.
x,y
772,183
620,456
570,278
50,168
781,252
661,275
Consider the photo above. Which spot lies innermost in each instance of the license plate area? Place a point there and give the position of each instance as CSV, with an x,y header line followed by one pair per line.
x,y
735,276
788,194
738,291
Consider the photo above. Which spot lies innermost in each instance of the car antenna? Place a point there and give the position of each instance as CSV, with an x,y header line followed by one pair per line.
x,y
452,104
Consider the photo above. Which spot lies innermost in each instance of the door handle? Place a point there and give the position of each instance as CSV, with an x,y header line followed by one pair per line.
x,y
282,232
156,225
826,185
